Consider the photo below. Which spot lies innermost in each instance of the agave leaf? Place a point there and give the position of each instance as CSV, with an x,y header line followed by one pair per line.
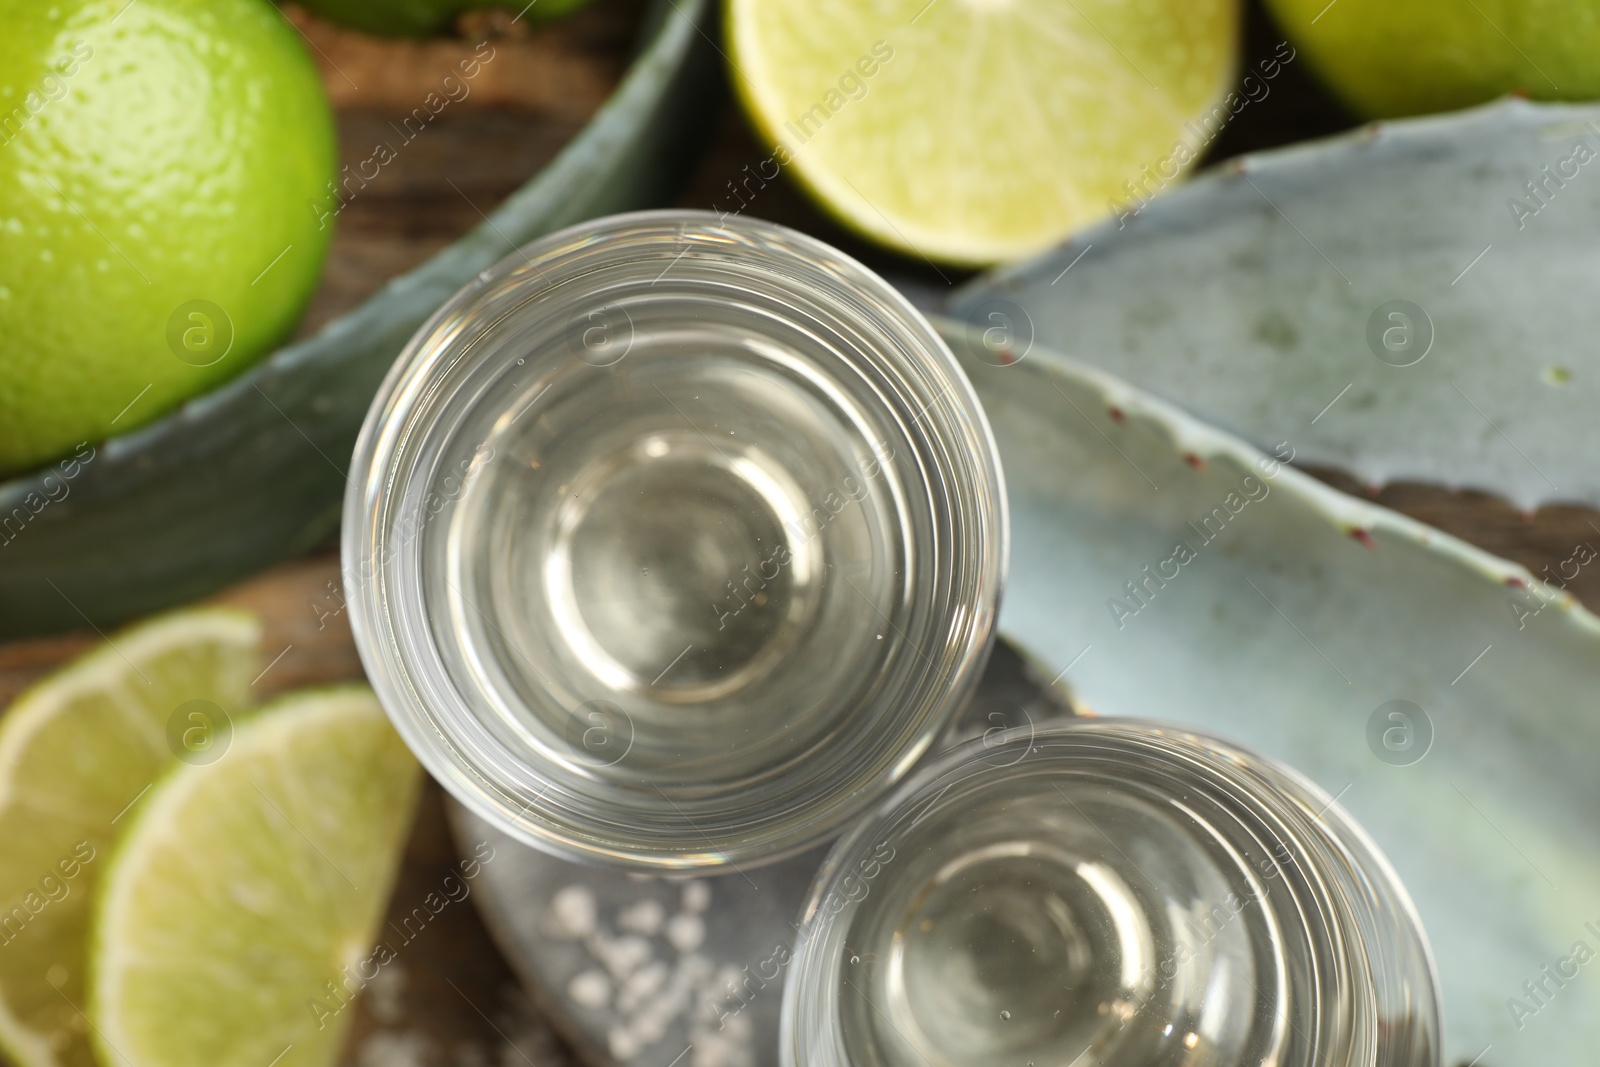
x,y
1302,613
1260,295
254,471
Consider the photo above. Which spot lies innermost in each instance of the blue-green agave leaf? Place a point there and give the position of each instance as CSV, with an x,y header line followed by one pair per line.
x,y
1169,569
1412,301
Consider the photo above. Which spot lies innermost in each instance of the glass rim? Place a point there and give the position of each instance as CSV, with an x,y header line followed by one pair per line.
x,y
462,755
1372,905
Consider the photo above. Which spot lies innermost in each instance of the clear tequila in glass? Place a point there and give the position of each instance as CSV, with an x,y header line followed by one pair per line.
x,y
1109,892
675,542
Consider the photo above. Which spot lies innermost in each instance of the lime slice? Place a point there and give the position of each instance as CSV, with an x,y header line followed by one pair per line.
x,y
973,131
237,918
76,751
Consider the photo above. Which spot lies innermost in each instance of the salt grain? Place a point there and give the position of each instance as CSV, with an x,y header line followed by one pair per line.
x,y
591,989
574,910
686,932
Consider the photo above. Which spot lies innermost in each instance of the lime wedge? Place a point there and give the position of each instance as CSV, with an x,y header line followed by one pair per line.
x,y
76,751
238,916
974,131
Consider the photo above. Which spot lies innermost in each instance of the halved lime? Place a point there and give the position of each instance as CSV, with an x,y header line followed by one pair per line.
x,y
1388,58
76,751
238,916
973,131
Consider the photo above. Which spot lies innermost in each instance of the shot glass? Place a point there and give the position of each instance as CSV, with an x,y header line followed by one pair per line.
x,y
674,542
1108,893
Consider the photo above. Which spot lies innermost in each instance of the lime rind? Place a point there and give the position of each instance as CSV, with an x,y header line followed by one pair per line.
x,y
105,669
75,749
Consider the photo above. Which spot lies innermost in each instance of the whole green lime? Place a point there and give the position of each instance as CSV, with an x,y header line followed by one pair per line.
x,y
1409,57
424,18
165,171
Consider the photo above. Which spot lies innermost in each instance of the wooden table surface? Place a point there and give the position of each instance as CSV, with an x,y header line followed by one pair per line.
x,y
452,1001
